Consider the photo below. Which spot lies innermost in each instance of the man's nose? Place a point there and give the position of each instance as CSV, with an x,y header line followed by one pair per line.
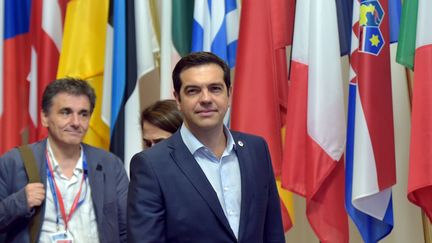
x,y
205,96
75,119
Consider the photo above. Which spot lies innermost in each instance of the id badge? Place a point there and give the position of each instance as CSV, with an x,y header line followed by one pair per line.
x,y
61,237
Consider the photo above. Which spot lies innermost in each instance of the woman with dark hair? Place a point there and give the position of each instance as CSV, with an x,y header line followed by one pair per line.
x,y
159,121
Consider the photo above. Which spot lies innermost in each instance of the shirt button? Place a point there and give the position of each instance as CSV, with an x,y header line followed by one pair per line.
x,y
225,188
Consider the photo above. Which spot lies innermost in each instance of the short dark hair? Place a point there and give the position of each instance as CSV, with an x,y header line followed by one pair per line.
x,y
68,85
197,59
163,114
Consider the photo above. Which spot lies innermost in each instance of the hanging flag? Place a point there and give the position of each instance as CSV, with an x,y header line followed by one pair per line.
x,y
46,30
370,153
1,71
215,28
116,69
133,58
408,33
394,9
82,55
261,78
344,14
179,36
415,51
315,125
16,67
182,19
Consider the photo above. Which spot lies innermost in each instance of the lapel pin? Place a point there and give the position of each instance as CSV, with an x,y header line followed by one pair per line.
x,y
240,143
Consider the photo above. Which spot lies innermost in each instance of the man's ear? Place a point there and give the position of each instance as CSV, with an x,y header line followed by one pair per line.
x,y
230,91
44,119
177,98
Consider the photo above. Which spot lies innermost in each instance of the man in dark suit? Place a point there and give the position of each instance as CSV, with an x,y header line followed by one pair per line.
x,y
82,193
205,183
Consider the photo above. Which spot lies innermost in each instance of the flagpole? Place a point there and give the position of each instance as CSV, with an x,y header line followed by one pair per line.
x,y
427,230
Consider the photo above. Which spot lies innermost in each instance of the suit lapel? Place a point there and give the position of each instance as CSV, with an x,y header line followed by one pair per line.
x,y
188,165
39,153
247,181
96,181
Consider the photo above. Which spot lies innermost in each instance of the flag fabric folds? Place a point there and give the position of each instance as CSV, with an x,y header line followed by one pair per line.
x,y
46,31
215,28
16,67
82,55
344,13
1,72
315,140
394,9
115,67
416,50
408,31
182,19
132,58
370,153
261,77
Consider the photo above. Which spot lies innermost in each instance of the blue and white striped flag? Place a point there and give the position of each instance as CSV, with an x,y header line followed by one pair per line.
x,y
215,28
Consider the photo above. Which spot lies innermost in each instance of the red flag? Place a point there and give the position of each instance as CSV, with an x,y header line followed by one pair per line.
x,y
315,126
46,35
261,81
420,169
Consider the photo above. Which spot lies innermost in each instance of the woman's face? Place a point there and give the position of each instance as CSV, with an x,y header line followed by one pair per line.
x,y
153,134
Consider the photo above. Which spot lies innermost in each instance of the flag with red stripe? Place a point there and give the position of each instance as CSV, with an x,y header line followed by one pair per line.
x,y
46,28
370,154
261,82
315,125
415,50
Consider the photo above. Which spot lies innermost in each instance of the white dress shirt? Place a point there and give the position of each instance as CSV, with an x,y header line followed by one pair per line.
x,y
82,227
223,174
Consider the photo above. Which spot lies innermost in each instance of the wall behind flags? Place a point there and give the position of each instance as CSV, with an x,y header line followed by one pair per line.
x,y
163,32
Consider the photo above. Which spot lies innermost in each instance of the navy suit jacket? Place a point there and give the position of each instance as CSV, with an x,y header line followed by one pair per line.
x,y
171,200
107,178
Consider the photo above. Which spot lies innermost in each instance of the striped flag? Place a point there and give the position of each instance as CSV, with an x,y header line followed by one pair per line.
x,y
82,55
266,27
132,58
16,67
182,19
370,153
46,30
2,5
416,51
115,69
315,126
344,13
394,9
215,28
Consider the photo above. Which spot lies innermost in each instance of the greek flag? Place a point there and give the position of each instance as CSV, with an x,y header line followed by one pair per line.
x,y
215,28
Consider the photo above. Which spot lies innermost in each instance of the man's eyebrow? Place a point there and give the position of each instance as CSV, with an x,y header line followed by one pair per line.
x,y
191,86
65,109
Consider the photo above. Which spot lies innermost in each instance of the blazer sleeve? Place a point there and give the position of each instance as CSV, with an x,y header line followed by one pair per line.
x,y
273,228
146,210
13,203
122,183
